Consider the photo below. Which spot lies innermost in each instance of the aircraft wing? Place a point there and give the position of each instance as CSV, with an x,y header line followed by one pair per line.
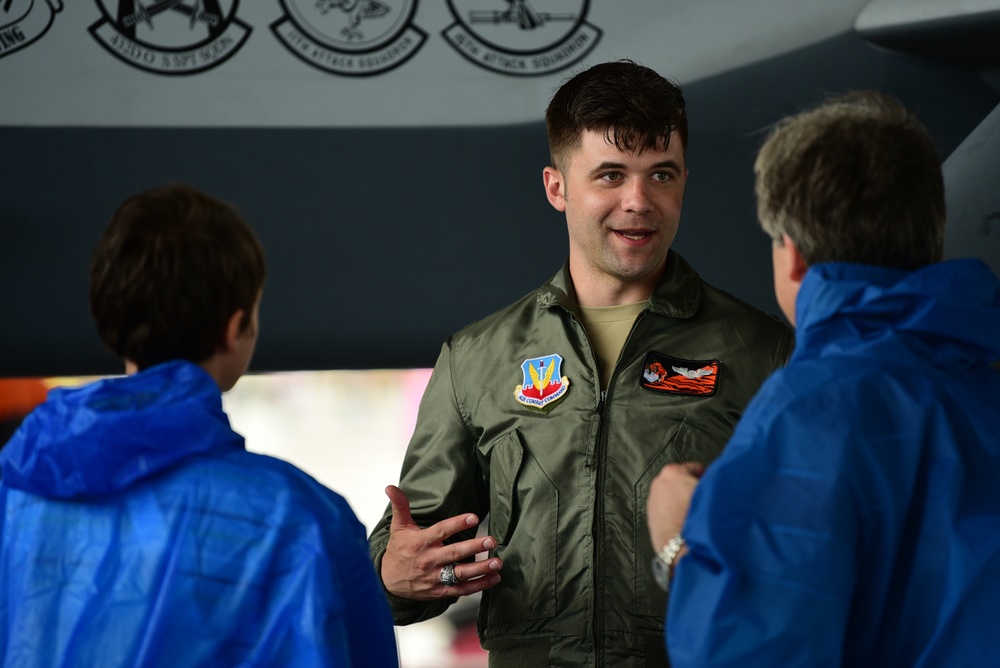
x,y
963,32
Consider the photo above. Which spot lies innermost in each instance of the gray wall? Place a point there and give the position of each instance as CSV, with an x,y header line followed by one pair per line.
x,y
381,242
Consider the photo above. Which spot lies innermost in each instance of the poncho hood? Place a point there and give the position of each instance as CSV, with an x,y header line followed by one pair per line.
x,y
934,311
98,439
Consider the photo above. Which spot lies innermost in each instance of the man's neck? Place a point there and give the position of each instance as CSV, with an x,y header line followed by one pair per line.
x,y
611,292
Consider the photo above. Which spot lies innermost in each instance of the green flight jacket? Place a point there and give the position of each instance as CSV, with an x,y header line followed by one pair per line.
x,y
565,487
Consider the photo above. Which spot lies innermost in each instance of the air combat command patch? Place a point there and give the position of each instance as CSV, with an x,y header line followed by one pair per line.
x,y
543,383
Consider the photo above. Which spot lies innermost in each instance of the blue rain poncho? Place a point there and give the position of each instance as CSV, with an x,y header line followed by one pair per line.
x,y
854,517
137,531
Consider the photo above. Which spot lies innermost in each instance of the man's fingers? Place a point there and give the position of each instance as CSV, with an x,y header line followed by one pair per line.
x,y
669,500
467,549
477,569
474,577
680,471
437,533
401,517
471,586
447,528
414,557
697,469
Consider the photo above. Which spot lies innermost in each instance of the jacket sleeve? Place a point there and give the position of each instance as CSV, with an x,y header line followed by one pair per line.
x,y
368,621
441,477
327,607
772,529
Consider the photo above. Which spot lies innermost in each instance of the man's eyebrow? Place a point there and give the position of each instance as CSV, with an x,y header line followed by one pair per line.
x,y
667,164
607,165
659,166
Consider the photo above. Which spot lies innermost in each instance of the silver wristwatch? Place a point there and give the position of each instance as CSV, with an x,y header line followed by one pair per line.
x,y
663,562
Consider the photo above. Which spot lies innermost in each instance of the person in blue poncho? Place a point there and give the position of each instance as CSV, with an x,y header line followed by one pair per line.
x,y
136,529
854,517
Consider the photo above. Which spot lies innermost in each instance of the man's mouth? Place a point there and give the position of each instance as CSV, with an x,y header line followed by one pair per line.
x,y
634,235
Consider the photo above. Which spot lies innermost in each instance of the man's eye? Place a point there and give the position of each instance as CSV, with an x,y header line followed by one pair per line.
x,y
661,176
612,176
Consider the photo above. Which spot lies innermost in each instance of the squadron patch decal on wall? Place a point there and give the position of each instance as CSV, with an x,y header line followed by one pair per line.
x,y
352,37
171,36
519,37
24,21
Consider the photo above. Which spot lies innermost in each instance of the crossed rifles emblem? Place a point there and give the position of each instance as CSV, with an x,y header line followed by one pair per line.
x,y
146,13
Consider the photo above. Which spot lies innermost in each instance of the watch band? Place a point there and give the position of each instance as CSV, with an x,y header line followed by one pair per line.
x,y
663,562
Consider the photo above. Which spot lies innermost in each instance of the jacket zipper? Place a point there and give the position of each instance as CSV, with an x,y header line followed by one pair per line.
x,y
600,451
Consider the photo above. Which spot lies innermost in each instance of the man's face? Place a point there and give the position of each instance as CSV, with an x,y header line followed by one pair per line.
x,y
622,211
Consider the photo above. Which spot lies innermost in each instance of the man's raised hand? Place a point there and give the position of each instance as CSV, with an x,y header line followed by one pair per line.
x,y
414,557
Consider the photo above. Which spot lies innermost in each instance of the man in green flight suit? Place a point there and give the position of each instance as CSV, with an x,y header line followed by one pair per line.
x,y
553,414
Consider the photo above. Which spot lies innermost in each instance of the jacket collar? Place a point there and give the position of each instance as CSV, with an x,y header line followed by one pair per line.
x,y
677,295
103,437
956,301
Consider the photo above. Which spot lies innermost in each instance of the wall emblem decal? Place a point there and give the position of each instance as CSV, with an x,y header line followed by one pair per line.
x,y
350,37
522,37
24,21
170,36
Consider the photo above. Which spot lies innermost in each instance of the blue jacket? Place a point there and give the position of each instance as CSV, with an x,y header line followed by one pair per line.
x,y
854,518
137,531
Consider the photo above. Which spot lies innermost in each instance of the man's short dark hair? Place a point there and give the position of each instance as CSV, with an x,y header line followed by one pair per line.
x,y
170,270
854,179
635,107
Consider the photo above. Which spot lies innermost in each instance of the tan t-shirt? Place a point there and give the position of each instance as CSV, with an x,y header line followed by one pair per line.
x,y
608,328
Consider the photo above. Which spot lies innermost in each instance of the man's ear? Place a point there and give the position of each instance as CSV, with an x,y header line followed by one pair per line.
x,y
797,267
233,329
555,187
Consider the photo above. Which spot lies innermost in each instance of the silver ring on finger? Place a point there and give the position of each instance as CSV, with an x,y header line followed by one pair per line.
x,y
448,577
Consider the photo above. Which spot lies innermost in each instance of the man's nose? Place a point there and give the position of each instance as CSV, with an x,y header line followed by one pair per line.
x,y
636,197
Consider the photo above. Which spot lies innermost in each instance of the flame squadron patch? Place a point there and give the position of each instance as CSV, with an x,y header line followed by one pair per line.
x,y
663,373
